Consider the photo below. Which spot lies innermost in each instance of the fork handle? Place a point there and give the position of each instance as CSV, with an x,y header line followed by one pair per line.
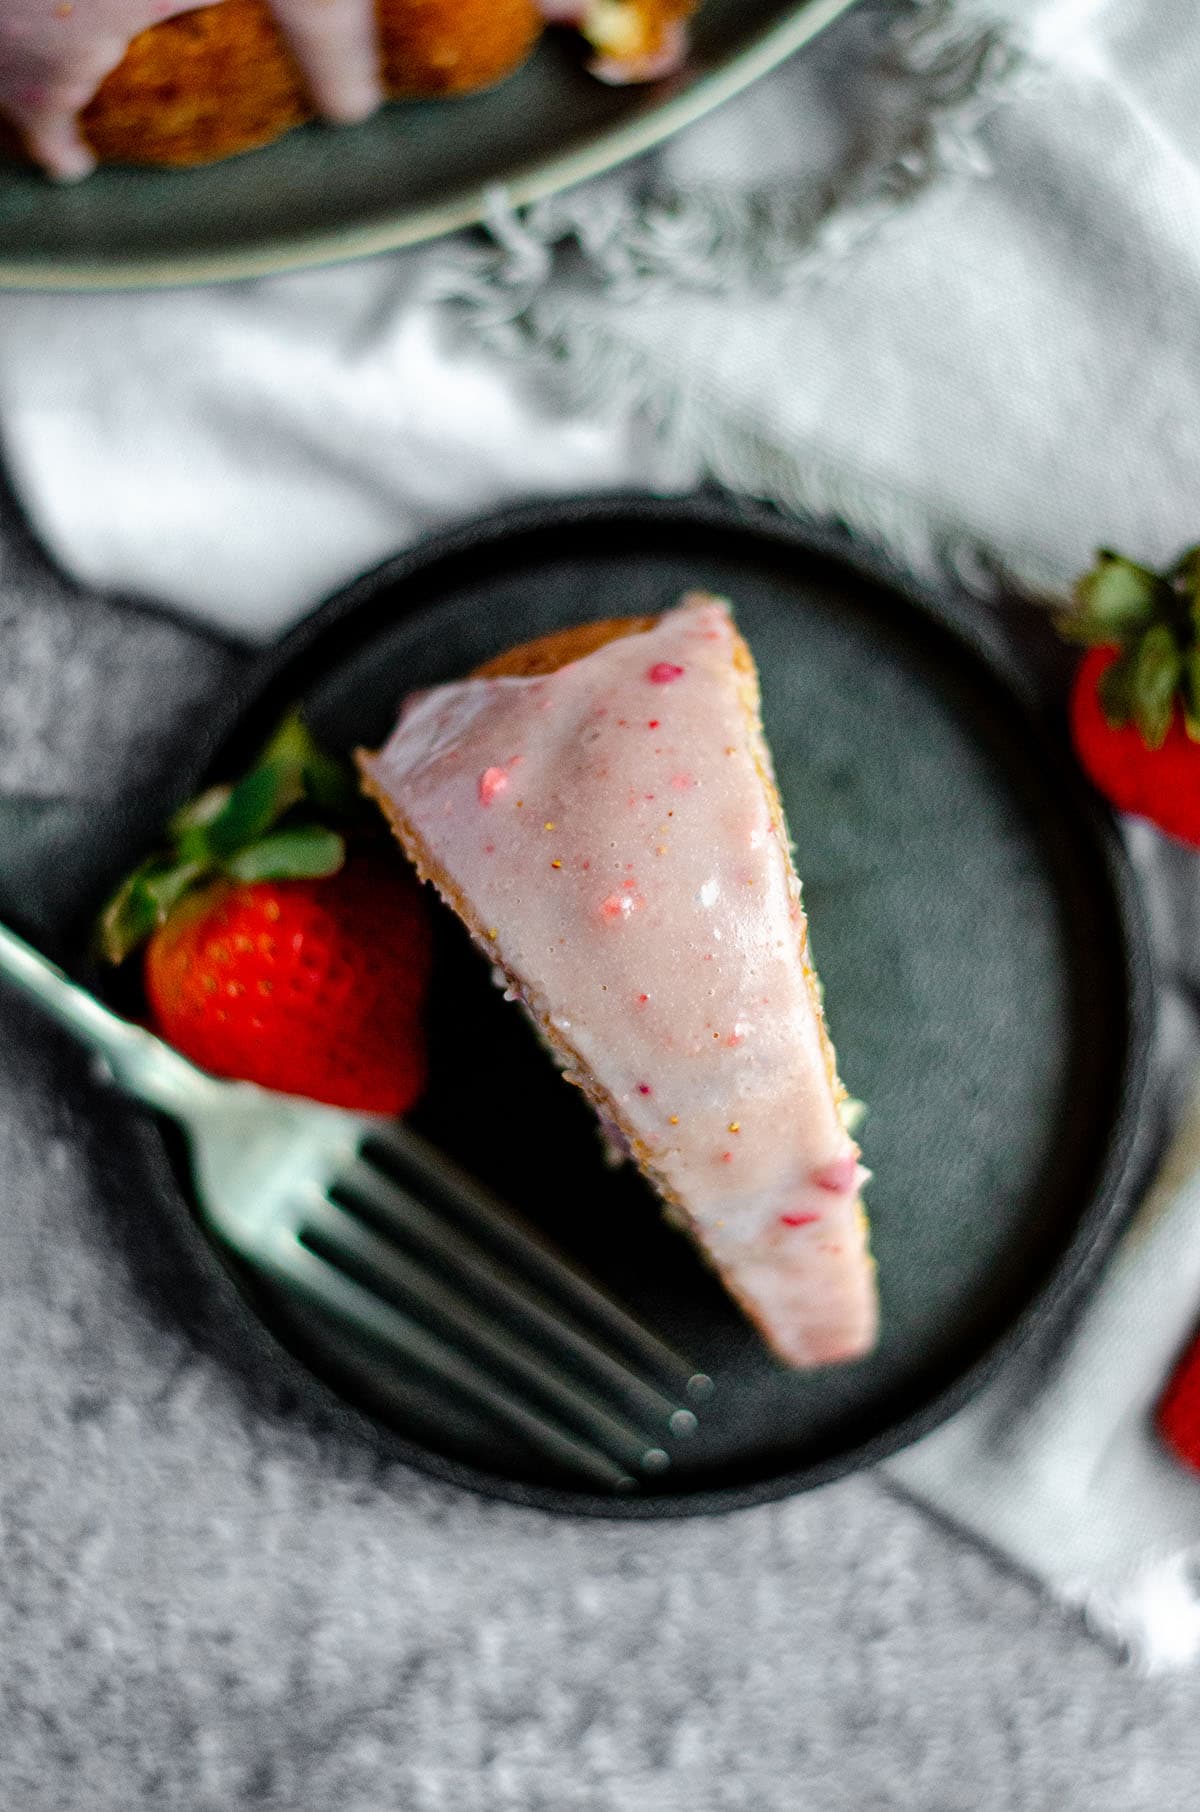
x,y
138,1062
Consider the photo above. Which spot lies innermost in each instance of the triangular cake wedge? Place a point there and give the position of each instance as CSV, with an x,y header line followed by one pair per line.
x,y
600,809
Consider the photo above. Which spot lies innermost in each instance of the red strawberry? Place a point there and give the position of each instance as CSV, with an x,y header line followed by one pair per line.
x,y
1179,1411
310,987
272,955
1162,784
1135,705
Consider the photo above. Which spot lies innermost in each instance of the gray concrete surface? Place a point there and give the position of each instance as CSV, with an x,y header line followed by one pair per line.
x,y
205,1604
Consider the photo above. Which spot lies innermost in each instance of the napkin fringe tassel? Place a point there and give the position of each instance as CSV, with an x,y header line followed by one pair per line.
x,y
1154,1618
959,61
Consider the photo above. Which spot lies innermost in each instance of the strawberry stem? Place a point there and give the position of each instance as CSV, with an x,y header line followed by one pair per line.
x,y
268,826
1153,619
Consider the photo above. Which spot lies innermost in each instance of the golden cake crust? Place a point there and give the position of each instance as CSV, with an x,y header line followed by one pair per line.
x,y
547,653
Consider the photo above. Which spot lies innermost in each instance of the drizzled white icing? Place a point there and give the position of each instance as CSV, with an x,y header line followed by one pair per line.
x,y
607,832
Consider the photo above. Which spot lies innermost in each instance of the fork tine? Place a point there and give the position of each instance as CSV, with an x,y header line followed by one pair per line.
x,y
483,1272
294,1265
379,1257
439,1177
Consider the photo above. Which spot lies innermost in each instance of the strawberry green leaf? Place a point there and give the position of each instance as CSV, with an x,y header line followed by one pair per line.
x,y
1115,691
142,903
292,742
189,826
293,768
249,830
1157,672
329,784
199,812
330,787
126,921
1191,693
301,853
255,805
1115,600
1185,574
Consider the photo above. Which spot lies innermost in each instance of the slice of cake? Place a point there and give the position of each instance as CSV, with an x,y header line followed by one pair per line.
x,y
600,809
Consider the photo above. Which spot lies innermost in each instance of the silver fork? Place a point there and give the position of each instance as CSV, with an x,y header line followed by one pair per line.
x,y
378,1229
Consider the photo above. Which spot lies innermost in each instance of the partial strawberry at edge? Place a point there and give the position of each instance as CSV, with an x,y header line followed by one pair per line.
x,y
1161,784
1179,1411
1135,709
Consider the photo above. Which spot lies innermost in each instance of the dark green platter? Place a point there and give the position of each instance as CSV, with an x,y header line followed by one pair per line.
x,y
977,930
415,171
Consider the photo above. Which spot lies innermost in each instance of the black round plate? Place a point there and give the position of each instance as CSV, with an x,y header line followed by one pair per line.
x,y
973,919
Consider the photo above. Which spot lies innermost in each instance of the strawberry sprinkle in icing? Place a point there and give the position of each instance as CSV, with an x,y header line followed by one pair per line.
x,y
492,782
840,1176
663,672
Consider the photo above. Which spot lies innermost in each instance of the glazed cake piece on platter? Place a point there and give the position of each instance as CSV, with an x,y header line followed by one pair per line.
x,y
600,810
177,82
185,82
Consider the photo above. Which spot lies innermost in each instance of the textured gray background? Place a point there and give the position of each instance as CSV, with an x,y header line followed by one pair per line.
x,y
208,1604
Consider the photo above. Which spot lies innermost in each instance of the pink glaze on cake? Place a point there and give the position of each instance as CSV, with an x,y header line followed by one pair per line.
x,y
656,934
